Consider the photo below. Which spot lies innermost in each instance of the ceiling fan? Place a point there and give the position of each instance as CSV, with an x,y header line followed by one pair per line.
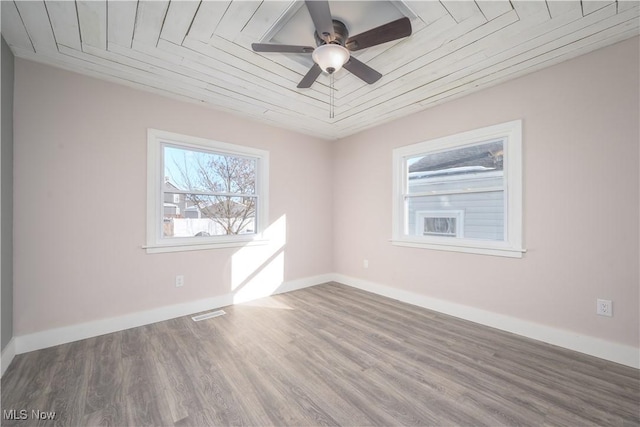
x,y
334,46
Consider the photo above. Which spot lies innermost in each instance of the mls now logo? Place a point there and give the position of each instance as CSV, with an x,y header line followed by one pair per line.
x,y
23,414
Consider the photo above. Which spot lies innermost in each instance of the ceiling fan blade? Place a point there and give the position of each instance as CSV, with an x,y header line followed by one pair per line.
x,y
362,70
310,77
385,33
281,48
322,20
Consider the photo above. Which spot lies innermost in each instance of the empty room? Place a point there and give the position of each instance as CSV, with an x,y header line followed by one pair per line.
x,y
302,213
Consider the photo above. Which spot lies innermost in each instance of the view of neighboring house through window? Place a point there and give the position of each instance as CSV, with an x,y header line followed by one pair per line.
x,y
207,193
461,192
203,192
457,192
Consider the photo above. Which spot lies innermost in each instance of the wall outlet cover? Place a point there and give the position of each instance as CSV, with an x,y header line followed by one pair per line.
x,y
604,307
179,281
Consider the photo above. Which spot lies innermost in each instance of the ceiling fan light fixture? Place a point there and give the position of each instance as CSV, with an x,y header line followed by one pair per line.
x,y
330,57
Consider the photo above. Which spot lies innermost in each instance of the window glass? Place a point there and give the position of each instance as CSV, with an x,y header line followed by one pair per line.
x,y
469,179
217,193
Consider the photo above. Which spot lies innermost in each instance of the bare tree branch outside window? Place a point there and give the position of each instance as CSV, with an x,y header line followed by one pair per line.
x,y
221,187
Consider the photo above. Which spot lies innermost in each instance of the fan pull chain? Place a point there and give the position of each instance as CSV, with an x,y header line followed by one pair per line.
x,y
332,99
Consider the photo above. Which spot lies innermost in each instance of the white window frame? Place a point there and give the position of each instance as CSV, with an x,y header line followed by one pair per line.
x,y
512,246
156,139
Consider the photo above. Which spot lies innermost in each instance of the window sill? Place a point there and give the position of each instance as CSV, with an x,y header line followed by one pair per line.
x,y
482,250
184,247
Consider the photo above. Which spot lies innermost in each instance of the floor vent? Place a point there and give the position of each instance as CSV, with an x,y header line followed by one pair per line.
x,y
208,315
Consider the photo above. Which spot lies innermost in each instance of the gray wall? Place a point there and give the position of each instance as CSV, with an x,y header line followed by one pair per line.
x,y
6,195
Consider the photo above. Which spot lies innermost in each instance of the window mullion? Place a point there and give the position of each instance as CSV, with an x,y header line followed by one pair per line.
x,y
205,193
454,191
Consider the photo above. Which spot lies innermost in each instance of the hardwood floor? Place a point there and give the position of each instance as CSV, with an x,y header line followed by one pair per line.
x,y
326,355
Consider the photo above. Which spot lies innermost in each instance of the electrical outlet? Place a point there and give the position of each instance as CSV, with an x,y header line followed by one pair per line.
x,y
365,263
179,280
604,307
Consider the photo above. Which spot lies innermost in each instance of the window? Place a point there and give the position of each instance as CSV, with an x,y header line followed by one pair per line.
x,y
461,193
203,194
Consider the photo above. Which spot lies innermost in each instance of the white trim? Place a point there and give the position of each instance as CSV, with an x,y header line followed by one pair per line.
x,y
66,334
155,179
614,352
608,350
8,353
480,250
512,246
457,191
202,246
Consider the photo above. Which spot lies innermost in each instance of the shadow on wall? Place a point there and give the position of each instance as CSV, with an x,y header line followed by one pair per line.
x,y
258,271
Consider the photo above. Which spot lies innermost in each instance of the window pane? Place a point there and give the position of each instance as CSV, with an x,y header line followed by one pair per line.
x,y
193,170
469,215
463,168
203,216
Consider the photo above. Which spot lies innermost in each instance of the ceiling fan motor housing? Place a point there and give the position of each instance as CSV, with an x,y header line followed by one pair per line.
x,y
340,31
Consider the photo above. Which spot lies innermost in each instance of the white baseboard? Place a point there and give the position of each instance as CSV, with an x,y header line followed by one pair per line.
x,y
66,334
294,285
615,352
8,353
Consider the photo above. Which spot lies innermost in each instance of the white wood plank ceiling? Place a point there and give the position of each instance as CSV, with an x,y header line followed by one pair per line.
x,y
200,51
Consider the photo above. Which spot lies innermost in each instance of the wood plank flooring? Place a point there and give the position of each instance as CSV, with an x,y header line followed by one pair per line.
x,y
326,355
